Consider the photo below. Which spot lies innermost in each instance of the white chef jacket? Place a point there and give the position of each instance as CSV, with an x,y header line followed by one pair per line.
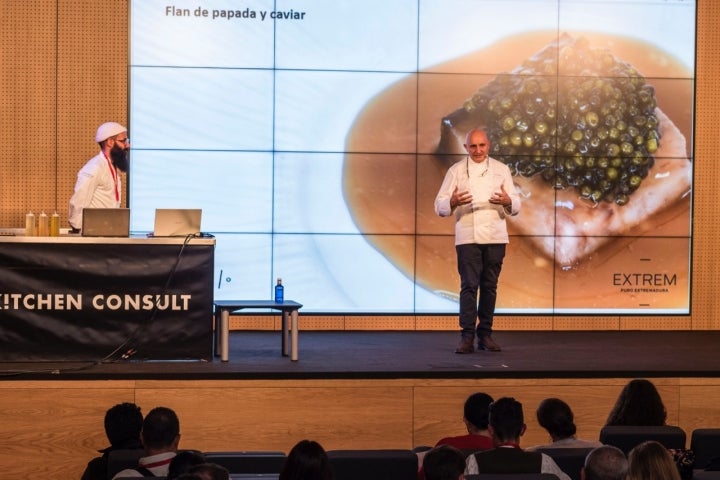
x,y
480,222
98,186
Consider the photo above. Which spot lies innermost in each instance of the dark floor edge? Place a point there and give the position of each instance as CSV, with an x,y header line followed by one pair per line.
x,y
194,376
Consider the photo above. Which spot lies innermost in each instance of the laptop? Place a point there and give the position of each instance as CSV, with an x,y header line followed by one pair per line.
x,y
177,222
105,222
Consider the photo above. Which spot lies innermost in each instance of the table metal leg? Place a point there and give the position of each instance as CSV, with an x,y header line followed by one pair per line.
x,y
285,327
216,332
224,334
294,348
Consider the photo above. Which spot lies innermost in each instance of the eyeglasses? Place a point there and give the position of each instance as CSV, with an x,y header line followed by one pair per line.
x,y
124,141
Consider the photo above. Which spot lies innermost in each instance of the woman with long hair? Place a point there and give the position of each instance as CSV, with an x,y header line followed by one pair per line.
x,y
651,461
639,404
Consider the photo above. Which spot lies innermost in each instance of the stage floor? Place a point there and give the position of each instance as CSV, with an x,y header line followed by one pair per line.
x,y
383,355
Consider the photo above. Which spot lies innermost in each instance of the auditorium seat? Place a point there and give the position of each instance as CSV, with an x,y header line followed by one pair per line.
x,y
254,476
248,462
374,464
705,444
119,460
512,476
627,437
704,475
570,460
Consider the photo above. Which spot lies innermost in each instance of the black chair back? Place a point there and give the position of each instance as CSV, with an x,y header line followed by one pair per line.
x,y
705,444
704,475
254,476
570,460
627,437
119,460
248,461
374,464
512,476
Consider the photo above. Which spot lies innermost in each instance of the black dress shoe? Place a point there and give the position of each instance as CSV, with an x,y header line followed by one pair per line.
x,y
487,343
465,346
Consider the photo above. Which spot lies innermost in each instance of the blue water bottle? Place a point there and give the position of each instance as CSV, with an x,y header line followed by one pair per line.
x,y
279,291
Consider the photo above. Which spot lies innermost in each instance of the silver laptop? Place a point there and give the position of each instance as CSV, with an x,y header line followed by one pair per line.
x,y
177,222
105,222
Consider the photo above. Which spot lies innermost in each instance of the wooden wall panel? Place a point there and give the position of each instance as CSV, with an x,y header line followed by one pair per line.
x,y
698,405
365,415
28,113
706,228
92,83
52,429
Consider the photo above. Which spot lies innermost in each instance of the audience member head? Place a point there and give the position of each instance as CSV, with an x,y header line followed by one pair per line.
x,y
651,461
306,461
557,418
475,412
639,404
444,463
160,431
605,463
183,461
506,421
123,424
210,471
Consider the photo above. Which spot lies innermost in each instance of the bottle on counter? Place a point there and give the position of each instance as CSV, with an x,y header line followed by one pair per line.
x,y
55,225
279,291
30,230
43,225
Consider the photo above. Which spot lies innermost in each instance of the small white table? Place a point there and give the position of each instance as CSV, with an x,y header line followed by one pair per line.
x,y
289,309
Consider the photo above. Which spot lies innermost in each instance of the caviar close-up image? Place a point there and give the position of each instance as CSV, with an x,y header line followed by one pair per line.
x,y
576,116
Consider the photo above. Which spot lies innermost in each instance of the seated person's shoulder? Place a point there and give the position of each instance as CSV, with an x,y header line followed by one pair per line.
x,y
468,442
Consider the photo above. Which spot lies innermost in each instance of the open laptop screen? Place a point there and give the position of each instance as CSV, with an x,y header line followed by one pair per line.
x,y
177,222
106,222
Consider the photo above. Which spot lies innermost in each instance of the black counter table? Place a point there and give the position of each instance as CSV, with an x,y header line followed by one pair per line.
x,y
73,298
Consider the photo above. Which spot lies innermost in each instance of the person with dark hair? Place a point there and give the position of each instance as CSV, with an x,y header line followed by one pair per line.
x,y
651,461
605,463
306,461
639,404
506,423
160,437
183,461
444,463
475,418
123,423
557,418
210,471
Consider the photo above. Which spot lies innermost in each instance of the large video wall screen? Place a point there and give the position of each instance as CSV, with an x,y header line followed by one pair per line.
x,y
314,135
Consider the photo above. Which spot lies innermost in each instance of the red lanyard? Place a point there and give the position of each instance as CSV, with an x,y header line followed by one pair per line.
x,y
114,174
158,463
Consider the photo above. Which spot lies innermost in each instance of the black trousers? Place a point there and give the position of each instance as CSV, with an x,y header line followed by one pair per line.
x,y
479,267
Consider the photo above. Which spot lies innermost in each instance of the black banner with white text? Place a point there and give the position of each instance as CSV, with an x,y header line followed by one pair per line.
x,y
88,301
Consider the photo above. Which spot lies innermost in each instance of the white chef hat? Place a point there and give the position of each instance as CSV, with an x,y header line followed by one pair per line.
x,y
107,130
